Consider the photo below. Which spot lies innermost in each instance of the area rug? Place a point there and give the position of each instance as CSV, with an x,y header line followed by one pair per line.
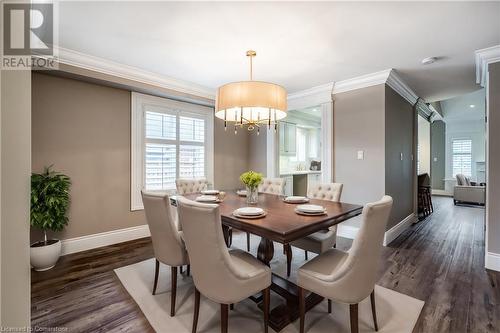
x,y
396,312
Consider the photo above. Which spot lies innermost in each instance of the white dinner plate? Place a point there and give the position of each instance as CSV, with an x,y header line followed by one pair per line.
x,y
310,208
210,192
207,198
249,211
296,199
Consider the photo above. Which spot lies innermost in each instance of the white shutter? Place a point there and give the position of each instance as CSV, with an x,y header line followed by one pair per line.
x,y
462,157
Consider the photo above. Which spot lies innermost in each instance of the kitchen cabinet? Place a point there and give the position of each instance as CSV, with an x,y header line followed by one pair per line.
x,y
288,190
288,138
313,179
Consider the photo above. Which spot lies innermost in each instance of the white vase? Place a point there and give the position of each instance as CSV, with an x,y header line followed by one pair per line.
x,y
44,257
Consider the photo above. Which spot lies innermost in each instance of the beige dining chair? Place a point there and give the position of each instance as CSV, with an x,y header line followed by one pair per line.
x,y
168,246
225,277
323,240
186,186
349,277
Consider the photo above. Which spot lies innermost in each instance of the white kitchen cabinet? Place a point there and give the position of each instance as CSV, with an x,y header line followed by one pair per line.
x,y
288,138
288,190
313,179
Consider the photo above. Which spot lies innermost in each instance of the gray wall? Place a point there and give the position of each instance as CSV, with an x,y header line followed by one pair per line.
x,y
438,154
493,180
257,151
84,130
399,174
15,168
358,124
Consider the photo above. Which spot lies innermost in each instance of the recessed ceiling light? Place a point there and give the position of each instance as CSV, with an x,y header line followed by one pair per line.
x,y
428,61
472,106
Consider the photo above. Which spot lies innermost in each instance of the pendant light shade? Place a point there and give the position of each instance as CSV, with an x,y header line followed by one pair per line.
x,y
251,103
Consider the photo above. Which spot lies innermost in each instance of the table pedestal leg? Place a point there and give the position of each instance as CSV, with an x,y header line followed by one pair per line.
x,y
287,311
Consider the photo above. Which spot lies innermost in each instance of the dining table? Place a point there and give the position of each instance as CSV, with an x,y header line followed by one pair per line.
x,y
281,224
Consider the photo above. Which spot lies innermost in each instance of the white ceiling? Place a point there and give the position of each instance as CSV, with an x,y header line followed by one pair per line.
x,y
459,108
299,44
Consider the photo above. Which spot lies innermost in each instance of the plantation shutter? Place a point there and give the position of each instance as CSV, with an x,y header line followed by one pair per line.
x,y
462,157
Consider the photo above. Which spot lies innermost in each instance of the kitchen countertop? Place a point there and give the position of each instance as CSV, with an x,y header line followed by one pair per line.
x,y
301,172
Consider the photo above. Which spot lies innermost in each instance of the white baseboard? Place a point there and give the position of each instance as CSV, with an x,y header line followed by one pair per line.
x,y
492,261
89,242
395,231
442,193
347,231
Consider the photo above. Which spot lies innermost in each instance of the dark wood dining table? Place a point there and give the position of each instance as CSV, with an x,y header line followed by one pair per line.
x,y
283,225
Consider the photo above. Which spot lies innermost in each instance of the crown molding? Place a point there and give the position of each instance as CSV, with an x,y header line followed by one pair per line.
x,y
362,81
324,90
97,64
396,82
484,57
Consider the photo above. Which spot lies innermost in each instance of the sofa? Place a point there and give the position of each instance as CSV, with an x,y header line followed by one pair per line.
x,y
468,192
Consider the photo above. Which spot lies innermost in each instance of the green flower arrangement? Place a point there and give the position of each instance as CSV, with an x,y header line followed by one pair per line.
x,y
251,179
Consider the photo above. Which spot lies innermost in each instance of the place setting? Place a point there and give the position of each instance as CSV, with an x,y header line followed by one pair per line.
x,y
211,196
249,213
295,199
310,210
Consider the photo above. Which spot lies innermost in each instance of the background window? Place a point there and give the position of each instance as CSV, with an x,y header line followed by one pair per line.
x,y
462,157
170,140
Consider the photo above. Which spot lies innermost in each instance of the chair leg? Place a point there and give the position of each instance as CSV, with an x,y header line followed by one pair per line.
x,y
302,310
353,310
248,242
196,309
224,309
231,306
374,311
230,237
288,252
181,269
267,299
329,306
173,290
305,255
157,272
188,270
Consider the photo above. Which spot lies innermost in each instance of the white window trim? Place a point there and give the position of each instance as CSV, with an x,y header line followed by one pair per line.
x,y
138,139
457,138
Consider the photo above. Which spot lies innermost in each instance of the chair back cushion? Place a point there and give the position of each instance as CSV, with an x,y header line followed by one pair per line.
x,y
329,191
186,186
167,243
358,273
214,273
272,186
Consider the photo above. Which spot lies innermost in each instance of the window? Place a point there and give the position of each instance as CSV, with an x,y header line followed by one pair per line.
x,y
170,140
462,157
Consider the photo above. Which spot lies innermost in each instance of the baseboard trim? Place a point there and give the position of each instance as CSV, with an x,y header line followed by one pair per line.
x,y
398,229
441,193
78,244
347,231
492,261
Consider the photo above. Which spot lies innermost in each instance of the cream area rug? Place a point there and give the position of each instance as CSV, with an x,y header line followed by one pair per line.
x,y
397,313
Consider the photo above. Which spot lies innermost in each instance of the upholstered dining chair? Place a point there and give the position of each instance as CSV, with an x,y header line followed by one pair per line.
x,y
223,276
186,186
168,246
349,277
320,241
272,186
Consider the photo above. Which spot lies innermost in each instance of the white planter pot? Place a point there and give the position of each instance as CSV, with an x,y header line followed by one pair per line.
x,y
44,257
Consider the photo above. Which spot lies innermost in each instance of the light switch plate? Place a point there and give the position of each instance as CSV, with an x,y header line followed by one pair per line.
x,y
361,155
435,159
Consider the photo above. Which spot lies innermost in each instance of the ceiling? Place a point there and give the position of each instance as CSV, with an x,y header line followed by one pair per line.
x,y
299,44
459,108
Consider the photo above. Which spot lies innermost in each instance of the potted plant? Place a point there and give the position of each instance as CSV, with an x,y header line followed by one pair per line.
x,y
49,207
251,179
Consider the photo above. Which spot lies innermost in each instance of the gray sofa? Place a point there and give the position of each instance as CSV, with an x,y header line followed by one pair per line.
x,y
468,192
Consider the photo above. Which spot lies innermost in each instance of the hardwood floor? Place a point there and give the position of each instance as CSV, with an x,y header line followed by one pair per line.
x,y
439,260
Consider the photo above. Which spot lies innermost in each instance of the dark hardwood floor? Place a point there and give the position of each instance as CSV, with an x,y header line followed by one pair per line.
x,y
439,260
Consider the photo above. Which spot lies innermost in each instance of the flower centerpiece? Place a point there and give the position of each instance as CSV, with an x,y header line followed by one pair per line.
x,y
251,179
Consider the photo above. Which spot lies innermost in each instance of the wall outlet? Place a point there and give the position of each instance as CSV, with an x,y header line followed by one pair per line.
x,y
361,155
